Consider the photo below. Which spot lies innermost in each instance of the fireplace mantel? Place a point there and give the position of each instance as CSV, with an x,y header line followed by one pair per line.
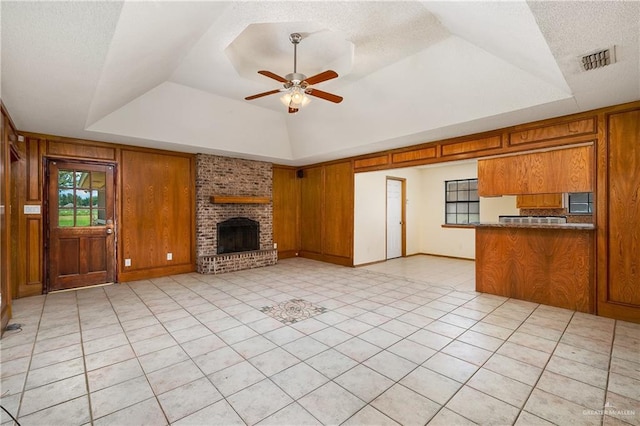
x,y
231,199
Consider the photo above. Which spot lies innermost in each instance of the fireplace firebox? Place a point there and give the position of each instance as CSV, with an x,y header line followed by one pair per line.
x,y
238,234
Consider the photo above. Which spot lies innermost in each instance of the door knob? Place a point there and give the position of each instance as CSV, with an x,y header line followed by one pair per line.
x,y
109,231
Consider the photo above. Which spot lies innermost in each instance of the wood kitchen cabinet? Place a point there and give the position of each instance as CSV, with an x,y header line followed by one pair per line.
x,y
539,201
549,172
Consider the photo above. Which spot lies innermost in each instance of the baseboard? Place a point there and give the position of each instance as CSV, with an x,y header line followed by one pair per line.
x,y
445,256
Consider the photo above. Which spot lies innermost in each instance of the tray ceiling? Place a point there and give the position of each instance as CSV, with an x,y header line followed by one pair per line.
x,y
174,75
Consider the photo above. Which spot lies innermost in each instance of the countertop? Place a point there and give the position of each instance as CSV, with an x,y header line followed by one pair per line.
x,y
572,226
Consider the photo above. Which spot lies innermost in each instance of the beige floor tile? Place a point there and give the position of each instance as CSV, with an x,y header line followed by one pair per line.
x,y
145,413
52,394
467,352
219,413
143,347
572,390
236,334
53,373
353,326
514,369
171,377
273,361
305,347
331,363
406,406
117,397
390,365
481,340
622,408
358,349
331,404
192,333
251,405
559,410
412,351
625,386
446,417
432,385
54,343
217,360
110,342
72,412
235,378
582,355
451,367
531,341
292,414
299,380
113,374
430,339
284,335
492,330
364,382
578,371
522,353
379,337
626,368
203,345
253,346
369,416
331,336
501,387
528,419
56,356
481,408
162,358
188,399
399,328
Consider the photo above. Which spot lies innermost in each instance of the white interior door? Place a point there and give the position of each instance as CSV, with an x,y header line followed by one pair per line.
x,y
394,218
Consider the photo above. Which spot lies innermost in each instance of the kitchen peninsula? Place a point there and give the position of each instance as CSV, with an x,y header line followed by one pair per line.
x,y
541,263
549,263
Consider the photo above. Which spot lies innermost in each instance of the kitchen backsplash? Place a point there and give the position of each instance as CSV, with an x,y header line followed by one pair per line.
x,y
571,218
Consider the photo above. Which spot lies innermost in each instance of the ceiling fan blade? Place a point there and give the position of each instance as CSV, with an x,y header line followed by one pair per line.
x,y
323,76
324,95
273,76
259,95
293,110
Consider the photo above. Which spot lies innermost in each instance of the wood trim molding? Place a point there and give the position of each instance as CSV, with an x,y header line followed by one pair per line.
x,y
232,199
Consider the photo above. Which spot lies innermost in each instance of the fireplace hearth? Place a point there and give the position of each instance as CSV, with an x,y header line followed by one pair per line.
x,y
238,234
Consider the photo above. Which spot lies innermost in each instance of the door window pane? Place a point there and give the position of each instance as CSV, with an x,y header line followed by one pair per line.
x,y
65,178
65,217
98,180
83,180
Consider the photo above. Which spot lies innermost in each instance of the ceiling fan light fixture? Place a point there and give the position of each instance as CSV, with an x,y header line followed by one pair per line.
x,y
295,97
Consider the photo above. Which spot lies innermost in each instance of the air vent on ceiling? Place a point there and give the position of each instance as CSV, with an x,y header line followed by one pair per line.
x,y
598,59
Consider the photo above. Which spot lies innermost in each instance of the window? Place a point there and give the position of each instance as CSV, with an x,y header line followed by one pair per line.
x,y
581,202
462,205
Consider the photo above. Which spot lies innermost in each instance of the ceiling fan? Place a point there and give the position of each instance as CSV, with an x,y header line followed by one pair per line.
x,y
296,85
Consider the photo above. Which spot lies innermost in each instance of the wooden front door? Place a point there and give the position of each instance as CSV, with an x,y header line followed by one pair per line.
x,y
81,233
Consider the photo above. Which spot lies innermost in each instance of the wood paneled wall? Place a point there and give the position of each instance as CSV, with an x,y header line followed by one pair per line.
x,y
286,211
8,137
157,213
618,216
313,212
326,213
155,208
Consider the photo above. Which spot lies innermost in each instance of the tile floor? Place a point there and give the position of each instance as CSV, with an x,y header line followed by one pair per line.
x,y
402,342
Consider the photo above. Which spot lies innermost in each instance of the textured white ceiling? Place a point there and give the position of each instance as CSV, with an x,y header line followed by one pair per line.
x,y
174,74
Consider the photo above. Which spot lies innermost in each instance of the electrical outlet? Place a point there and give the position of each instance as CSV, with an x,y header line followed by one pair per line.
x,y
127,262
275,245
169,256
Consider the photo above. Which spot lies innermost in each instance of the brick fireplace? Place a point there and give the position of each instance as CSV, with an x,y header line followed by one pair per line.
x,y
233,177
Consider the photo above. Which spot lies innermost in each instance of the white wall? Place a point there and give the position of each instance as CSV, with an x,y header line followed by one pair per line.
x,y
370,213
425,212
434,239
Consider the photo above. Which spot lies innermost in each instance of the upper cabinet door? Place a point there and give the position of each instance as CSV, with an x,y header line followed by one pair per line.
x,y
562,170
